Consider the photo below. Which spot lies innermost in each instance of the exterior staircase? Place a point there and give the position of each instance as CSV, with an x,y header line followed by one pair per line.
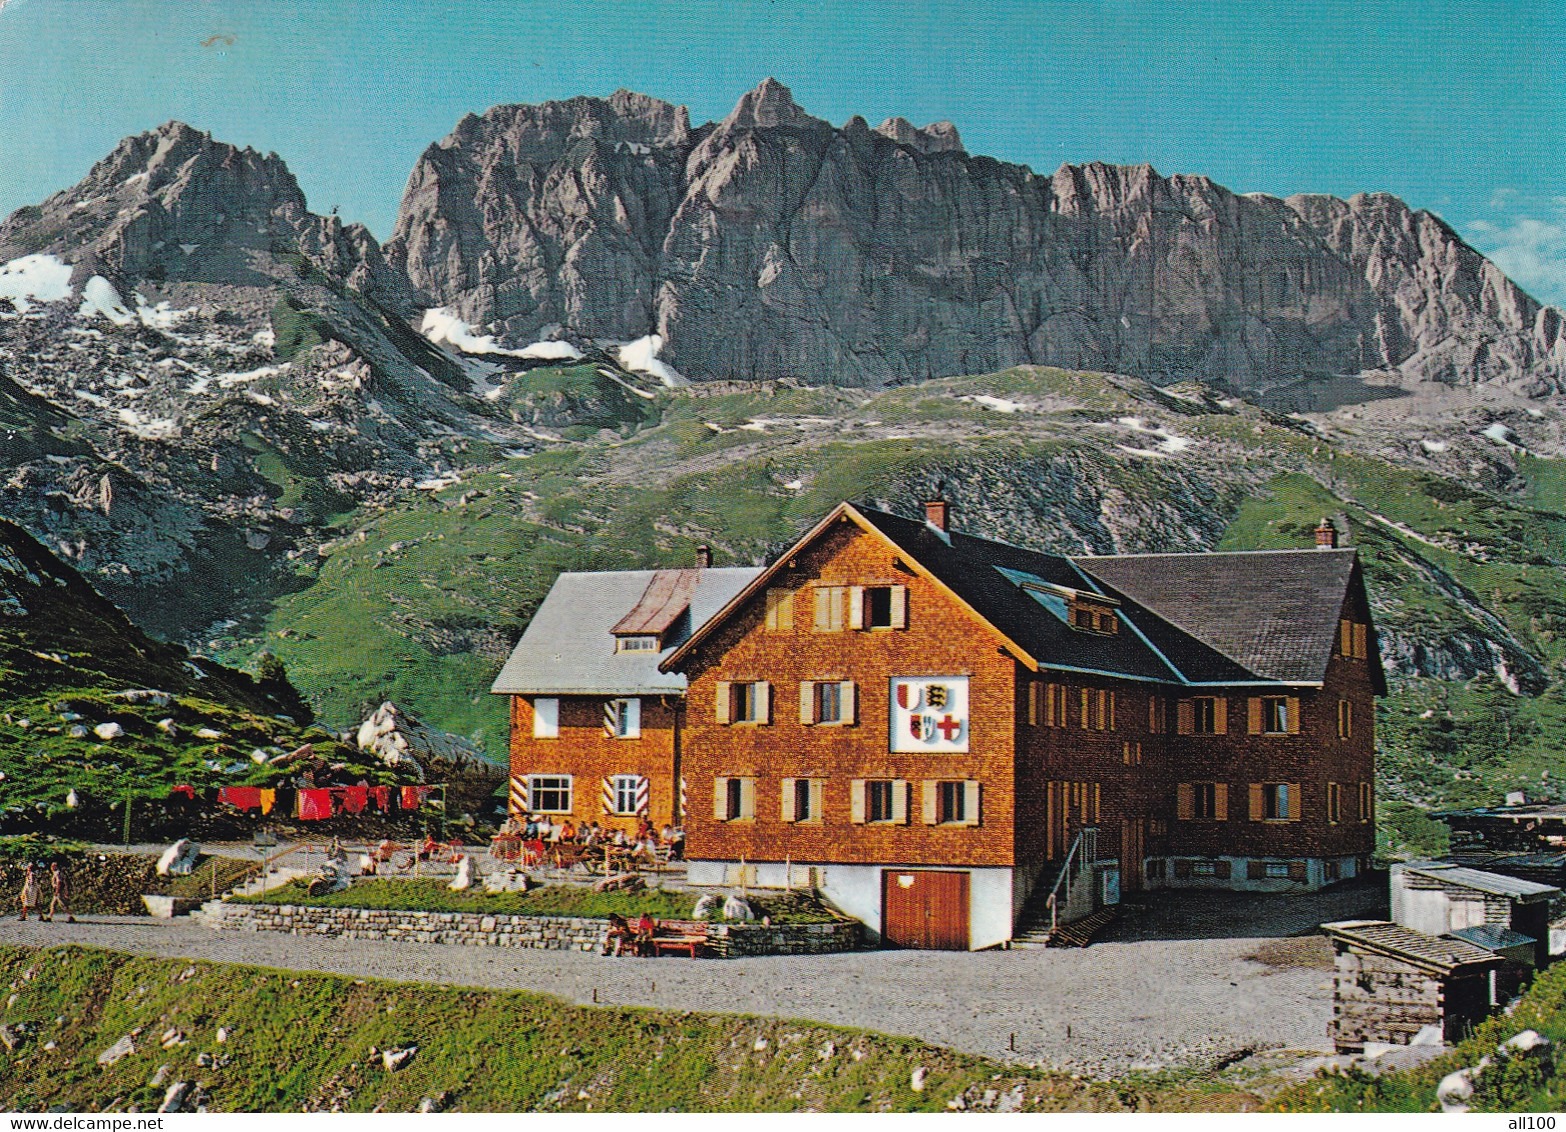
x,y
1065,912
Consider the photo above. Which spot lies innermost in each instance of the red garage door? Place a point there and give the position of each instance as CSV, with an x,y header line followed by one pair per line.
x,y
925,909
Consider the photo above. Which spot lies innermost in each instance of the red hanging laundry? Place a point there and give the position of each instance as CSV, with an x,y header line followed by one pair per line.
x,y
411,797
355,798
241,797
187,791
382,796
314,805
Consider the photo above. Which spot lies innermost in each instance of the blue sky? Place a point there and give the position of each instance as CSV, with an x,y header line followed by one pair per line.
x,y
1456,107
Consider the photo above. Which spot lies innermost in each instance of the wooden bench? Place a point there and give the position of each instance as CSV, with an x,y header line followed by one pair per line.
x,y
688,936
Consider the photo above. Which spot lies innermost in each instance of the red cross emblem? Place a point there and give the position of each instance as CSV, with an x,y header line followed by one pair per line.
x,y
949,728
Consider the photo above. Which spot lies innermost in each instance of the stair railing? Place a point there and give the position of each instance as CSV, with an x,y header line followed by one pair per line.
x,y
1084,848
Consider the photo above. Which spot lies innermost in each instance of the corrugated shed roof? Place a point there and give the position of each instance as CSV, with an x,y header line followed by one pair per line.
x,y
1496,884
569,648
1437,954
1493,937
1273,612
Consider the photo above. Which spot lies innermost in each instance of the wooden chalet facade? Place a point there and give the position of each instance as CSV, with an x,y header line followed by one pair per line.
x,y
923,724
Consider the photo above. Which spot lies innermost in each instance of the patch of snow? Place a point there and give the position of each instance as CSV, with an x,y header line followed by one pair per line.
x,y
794,485
100,298
551,351
538,434
753,426
1169,443
440,482
999,404
1143,451
626,385
199,386
267,338
1433,446
1501,435
91,398
641,356
260,398
188,248
1507,678
40,278
443,325
229,380
160,317
148,428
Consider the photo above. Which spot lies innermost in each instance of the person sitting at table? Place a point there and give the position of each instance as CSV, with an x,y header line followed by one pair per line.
x,y
568,831
533,851
430,847
620,935
646,928
677,845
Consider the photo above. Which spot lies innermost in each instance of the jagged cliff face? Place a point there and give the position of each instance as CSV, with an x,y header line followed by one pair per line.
x,y
776,245
174,205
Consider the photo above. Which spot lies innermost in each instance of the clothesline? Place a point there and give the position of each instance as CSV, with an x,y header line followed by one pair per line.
x,y
319,803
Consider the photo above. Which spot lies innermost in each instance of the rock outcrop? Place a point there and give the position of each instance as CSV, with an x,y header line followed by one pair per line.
x,y
774,245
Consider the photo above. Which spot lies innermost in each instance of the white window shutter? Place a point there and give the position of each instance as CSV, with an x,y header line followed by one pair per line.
x,y
546,718
856,607
720,799
817,798
856,801
850,702
900,801
763,702
899,607
931,805
723,701
807,702
747,798
633,718
970,803
787,808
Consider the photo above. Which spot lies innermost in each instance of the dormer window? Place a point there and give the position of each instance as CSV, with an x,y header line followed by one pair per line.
x,y
1093,618
637,643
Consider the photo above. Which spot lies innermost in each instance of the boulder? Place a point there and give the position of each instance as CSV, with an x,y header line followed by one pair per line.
x,y
179,859
427,754
174,1099
707,905
467,871
109,730
738,908
395,1059
1456,1090
122,1048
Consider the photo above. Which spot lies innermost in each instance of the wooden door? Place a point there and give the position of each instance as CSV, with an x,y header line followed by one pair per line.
x,y
925,909
1132,849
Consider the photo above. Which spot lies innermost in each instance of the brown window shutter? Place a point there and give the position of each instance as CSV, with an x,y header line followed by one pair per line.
x,y
720,799
850,701
970,803
1253,715
1255,870
1221,869
1361,651
1295,798
1033,703
856,801
1111,721
807,702
1297,870
1221,801
1185,802
787,797
899,607
1258,804
1182,868
763,702
931,809
1125,752
1294,715
1095,802
856,607
1185,717
1087,708
723,701
1221,715
900,801
1346,637
747,798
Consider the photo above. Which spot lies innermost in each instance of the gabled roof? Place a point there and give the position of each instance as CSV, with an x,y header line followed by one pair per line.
x,y
569,646
1274,612
1015,592
1438,955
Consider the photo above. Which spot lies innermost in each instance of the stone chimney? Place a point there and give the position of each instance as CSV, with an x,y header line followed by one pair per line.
x,y
703,557
1326,535
936,513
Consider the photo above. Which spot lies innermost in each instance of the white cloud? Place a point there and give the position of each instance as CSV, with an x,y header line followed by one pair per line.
x,y
1527,240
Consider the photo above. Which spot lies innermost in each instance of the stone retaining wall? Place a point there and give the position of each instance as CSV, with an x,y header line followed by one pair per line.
x,y
551,933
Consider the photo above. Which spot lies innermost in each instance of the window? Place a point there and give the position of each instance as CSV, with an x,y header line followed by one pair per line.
x,y
734,799
550,794
1098,709
780,610
640,643
1345,719
623,718
1275,801
743,701
1204,868
1204,715
1131,753
878,800
625,794
1046,704
827,702
1353,639
1157,714
951,803
546,718
1273,715
830,604
1366,801
1202,801
1094,619
884,607
801,799
1334,798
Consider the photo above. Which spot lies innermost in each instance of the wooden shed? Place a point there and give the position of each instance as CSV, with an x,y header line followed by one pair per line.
x,y
1390,982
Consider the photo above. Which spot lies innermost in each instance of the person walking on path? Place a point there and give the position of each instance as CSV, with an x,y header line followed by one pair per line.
x,y
29,891
62,893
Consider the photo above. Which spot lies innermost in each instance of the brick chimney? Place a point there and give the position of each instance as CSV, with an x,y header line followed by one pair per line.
x,y
936,513
703,557
1326,535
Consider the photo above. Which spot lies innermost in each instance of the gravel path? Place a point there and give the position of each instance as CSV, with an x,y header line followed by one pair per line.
x,y
1129,1004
